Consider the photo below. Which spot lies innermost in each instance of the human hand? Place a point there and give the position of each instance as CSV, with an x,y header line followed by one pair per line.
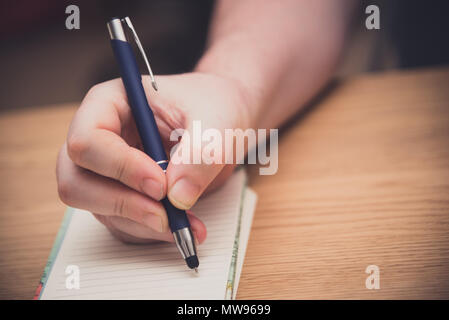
x,y
102,168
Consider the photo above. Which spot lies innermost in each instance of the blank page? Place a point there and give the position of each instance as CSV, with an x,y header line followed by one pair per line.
x,y
110,269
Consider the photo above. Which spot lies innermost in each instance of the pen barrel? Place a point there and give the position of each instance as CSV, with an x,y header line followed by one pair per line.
x,y
177,218
143,116
145,122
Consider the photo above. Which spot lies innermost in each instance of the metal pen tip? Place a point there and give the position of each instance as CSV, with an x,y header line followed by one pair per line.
x,y
196,270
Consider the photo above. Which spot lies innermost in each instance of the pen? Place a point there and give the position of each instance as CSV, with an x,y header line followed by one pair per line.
x,y
147,128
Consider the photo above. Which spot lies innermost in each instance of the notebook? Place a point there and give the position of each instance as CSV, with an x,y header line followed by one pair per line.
x,y
106,268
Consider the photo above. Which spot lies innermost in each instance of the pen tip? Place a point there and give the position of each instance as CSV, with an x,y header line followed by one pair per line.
x,y
153,83
196,270
192,262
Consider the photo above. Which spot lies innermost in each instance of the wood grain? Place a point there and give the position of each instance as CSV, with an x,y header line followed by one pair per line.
x,y
363,179
30,211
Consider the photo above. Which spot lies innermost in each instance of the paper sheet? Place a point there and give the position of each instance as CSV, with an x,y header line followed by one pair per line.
x,y
110,269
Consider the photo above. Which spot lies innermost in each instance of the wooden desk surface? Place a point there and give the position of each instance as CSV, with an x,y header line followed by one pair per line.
x,y
363,179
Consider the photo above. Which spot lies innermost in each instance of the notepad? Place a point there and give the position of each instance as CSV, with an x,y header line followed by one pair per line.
x,y
110,269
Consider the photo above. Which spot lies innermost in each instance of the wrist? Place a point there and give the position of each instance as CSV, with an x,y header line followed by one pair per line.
x,y
248,80
242,108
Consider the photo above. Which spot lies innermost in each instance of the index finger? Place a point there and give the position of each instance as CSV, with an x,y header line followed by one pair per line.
x,y
96,141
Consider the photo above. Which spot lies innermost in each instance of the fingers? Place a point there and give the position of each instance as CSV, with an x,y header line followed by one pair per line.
x,y
86,190
107,154
186,182
95,141
132,232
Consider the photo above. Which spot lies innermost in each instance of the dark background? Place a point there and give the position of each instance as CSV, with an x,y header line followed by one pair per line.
x,y
43,63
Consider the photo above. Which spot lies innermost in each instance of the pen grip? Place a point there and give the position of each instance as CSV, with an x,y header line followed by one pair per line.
x,y
177,218
145,122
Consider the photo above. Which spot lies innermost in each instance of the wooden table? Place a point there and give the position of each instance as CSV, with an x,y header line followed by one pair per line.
x,y
363,180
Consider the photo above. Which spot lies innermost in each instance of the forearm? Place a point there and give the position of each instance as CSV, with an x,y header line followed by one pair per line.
x,y
280,52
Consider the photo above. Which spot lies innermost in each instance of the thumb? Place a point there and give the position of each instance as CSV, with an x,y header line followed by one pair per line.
x,y
193,166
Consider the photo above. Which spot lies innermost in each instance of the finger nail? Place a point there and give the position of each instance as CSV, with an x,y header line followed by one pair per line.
x,y
154,222
153,188
184,194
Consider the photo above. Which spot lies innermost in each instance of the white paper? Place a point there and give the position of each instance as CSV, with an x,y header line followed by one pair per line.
x,y
110,269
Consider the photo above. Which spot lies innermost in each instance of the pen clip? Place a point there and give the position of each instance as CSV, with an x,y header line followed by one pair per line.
x,y
127,21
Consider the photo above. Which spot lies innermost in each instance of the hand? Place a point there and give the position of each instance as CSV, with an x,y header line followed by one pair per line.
x,y
102,168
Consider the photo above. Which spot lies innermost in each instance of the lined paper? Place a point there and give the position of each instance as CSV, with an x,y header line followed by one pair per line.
x,y
110,269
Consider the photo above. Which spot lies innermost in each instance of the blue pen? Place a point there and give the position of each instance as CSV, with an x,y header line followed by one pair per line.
x,y
147,127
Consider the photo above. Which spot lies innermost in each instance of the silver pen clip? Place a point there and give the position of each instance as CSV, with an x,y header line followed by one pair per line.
x,y
127,21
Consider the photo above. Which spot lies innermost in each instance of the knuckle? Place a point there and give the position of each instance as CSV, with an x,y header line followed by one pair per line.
x,y
77,147
120,206
121,168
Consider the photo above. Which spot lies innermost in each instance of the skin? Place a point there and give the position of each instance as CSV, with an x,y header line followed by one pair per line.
x,y
264,61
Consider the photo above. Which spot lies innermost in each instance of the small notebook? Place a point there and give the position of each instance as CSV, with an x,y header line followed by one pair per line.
x,y
110,269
